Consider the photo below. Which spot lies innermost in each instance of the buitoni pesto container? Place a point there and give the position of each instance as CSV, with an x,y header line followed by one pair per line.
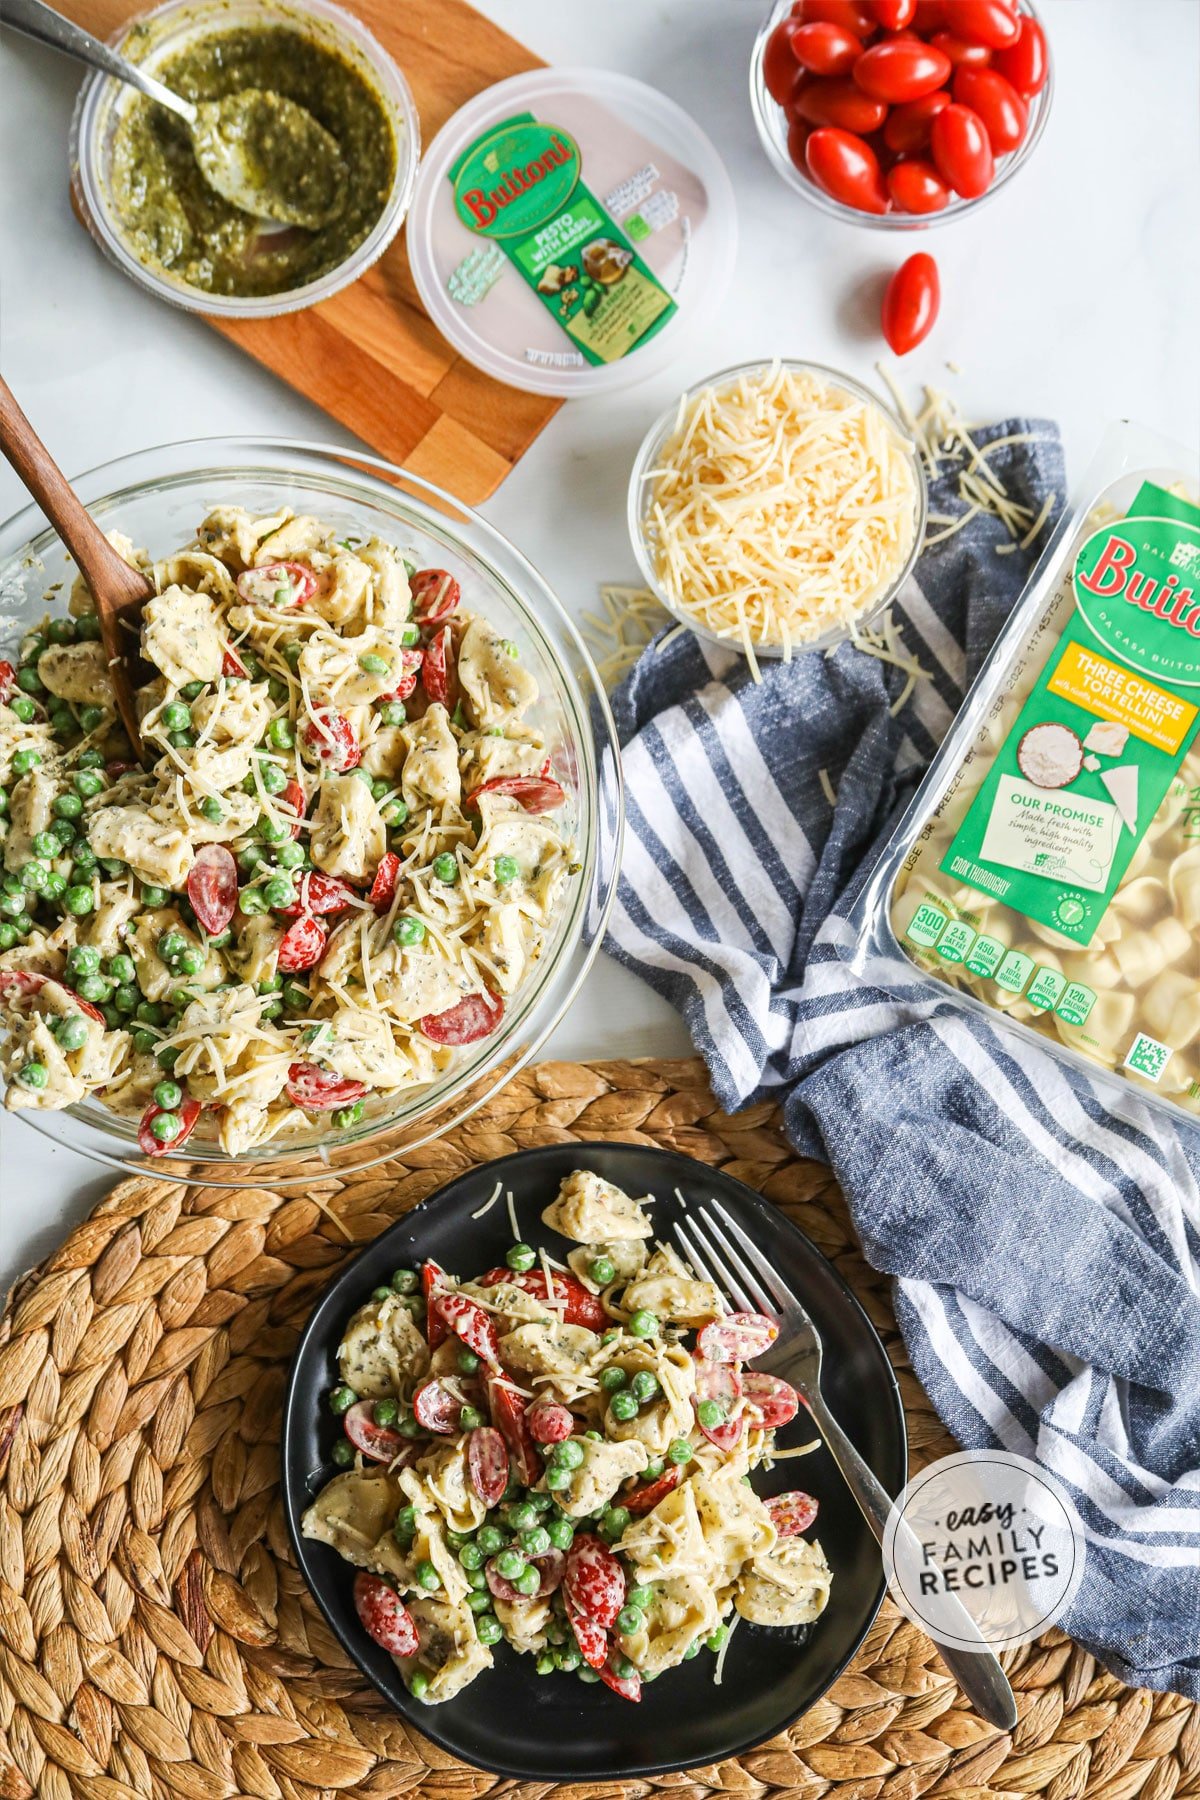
x,y
1047,873
570,230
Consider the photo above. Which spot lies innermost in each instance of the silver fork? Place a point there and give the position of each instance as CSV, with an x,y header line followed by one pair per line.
x,y
753,1285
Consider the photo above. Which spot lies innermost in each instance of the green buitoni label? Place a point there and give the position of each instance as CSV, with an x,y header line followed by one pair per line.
x,y
521,184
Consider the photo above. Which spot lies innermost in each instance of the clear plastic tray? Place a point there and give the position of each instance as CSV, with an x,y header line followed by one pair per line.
x,y
1047,873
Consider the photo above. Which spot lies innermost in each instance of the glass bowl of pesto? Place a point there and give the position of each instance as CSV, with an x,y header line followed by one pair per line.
x,y
158,498
139,190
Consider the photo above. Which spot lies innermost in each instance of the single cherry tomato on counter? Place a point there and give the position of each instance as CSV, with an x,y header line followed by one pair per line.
x,y
907,127
838,102
959,51
1026,63
825,49
894,15
847,169
961,151
916,187
780,68
852,15
910,304
1005,115
901,69
991,22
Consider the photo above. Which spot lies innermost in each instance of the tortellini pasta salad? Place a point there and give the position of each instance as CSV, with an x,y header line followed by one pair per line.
x,y
559,1457
342,856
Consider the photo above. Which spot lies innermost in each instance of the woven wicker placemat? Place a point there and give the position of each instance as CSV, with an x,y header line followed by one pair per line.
x,y
155,1639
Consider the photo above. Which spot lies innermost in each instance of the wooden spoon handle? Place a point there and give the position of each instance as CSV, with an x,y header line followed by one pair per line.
x,y
119,591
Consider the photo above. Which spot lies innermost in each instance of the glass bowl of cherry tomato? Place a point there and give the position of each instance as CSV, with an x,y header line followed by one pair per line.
x,y
900,113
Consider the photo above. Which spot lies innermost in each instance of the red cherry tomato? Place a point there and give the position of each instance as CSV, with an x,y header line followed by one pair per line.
x,y
233,668
277,584
838,103
384,1616
550,1571
433,1277
1026,63
314,1089
628,1686
329,740
852,15
738,1337
469,1322
437,1408
910,304
438,672
508,1415
410,674
797,137
536,793
916,187
320,893
991,22
645,1498
961,151
591,1638
846,168
901,69
770,1402
212,887
825,49
907,127
959,52
187,1114
549,1423
792,1512
473,1018
378,1443
929,16
22,984
594,1581
894,15
435,595
383,888
780,68
1005,115
8,680
574,1302
487,1464
292,800
302,945
723,1383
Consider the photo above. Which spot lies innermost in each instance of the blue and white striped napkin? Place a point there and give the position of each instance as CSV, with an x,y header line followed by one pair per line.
x,y
1044,1238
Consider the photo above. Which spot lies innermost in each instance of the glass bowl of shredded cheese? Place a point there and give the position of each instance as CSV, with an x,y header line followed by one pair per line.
x,y
777,507
170,496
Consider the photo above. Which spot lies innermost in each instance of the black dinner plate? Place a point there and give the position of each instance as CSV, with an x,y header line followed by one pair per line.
x,y
557,1728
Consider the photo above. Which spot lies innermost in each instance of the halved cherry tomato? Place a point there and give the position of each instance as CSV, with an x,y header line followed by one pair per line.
x,y
901,69
467,1022
594,1581
233,668
780,68
916,187
847,169
825,49
549,1565
379,1443
770,1402
645,1498
383,888
487,1464
628,1686
852,15
436,1408
991,22
508,1414
433,1277
292,800
302,945
737,1337
384,1616
328,740
435,595
959,52
961,151
277,584
791,1513
1005,115
8,680
907,127
320,894
591,1638
314,1089
910,303
1026,63
23,984
410,674
723,1383
837,103
212,887
469,1322
570,1299
895,15
536,793
548,1422
187,1113
438,673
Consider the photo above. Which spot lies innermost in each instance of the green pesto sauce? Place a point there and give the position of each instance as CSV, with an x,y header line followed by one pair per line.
x,y
173,220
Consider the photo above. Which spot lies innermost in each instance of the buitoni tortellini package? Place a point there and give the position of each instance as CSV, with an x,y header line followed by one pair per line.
x,y
1049,868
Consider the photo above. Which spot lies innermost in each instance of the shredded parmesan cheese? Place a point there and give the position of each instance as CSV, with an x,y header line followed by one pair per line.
x,y
512,1217
488,1204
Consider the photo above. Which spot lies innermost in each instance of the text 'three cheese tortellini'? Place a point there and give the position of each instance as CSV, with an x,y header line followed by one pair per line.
x,y
593,1211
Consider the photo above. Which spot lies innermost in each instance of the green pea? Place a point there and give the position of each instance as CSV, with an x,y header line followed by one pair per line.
x,y
710,1414
602,1270
427,1576
88,627
653,1469
613,1378
445,868
252,900
63,833
343,1453
528,1583
212,810
568,1658
54,886
271,832
505,869
641,1597
630,1619
408,929
679,1451
12,905
470,1418
171,946
71,1032
44,844
292,654
295,996
85,857
250,858
409,1428
29,681
78,900
121,968
395,812
167,1057
386,1412
521,1257
23,924
717,1640
341,1399
280,734
93,988
91,718
409,634
523,1516
488,1628
24,708
176,715
393,712
345,1116
405,1523
125,1000
480,1602
510,648
168,1095
588,1675
24,760
274,779
371,663
623,1406
568,1454
181,740
279,891
644,1386
90,759
644,1323
289,856
557,1478
561,1533
67,806
166,1126
8,934
418,1683
510,1564
61,631
490,1539
192,961
144,1042
536,1541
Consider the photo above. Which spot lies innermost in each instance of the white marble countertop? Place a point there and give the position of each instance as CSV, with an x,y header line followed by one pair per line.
x,y
1072,297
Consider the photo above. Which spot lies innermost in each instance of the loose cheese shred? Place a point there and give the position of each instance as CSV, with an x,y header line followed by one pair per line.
x,y
782,507
488,1204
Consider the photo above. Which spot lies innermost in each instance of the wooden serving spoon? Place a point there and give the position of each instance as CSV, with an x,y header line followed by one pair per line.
x,y
118,591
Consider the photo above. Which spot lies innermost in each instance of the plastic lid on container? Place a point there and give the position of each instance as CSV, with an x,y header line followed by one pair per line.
x,y
570,230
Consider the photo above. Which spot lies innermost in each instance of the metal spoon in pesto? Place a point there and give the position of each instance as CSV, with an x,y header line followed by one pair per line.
x,y
259,150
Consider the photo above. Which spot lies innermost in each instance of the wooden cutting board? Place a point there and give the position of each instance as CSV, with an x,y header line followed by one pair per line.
x,y
370,356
